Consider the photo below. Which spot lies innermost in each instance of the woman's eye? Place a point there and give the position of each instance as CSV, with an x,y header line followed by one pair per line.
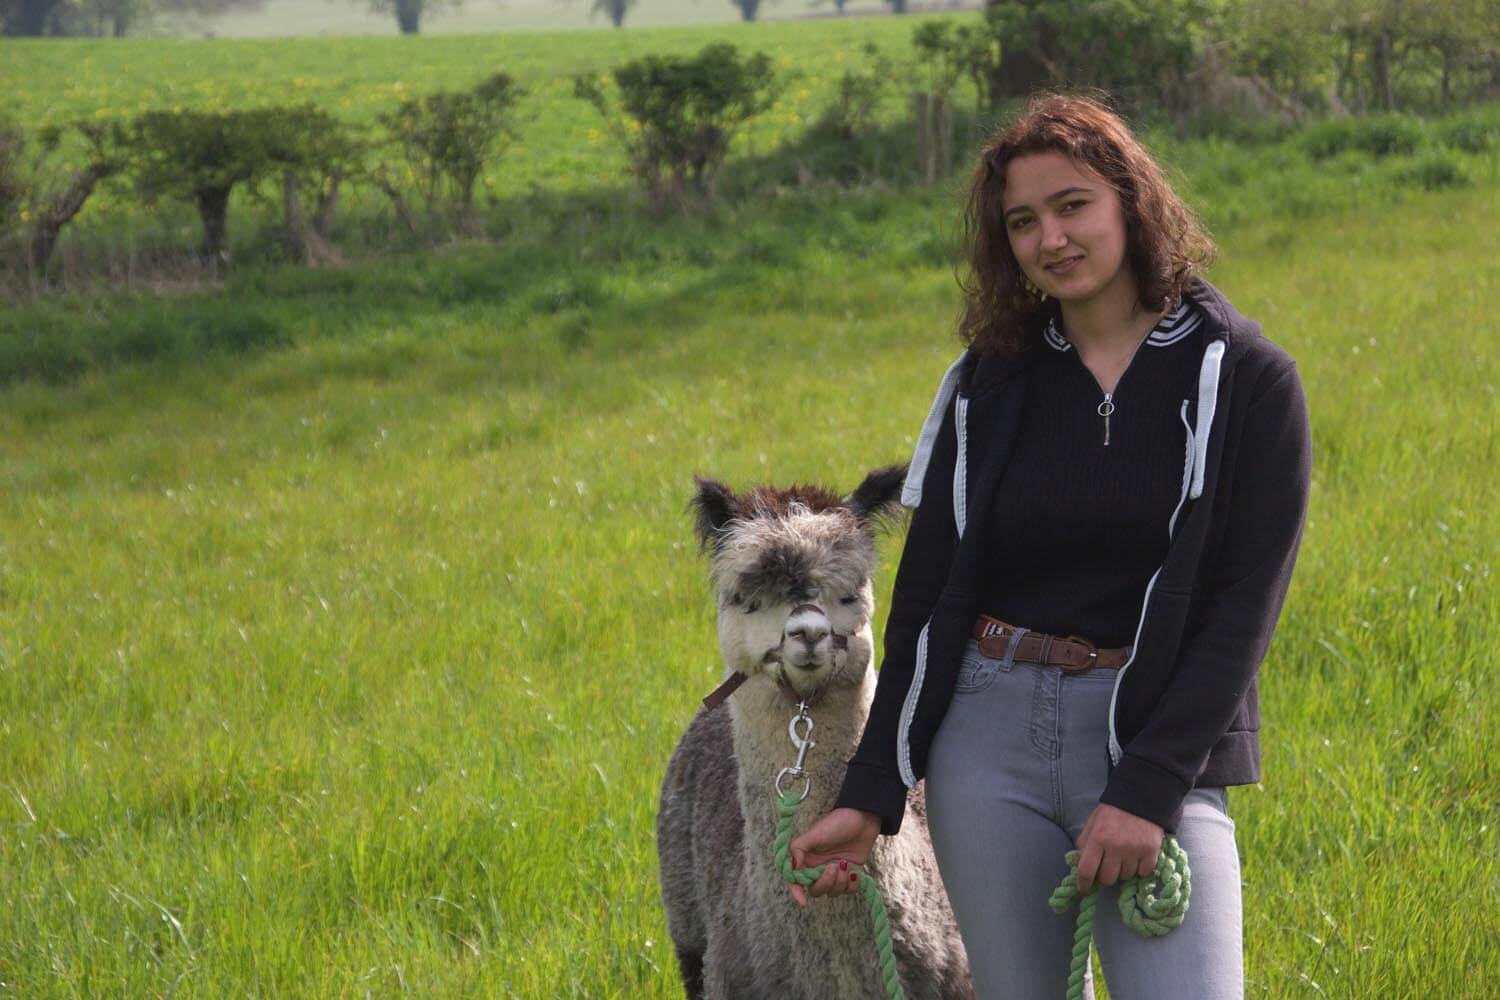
x,y
1018,224
848,599
1070,206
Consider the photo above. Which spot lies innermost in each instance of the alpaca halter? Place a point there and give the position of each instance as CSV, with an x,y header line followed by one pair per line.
x,y
839,641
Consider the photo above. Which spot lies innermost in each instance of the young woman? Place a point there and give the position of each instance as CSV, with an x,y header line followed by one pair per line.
x,y
1109,489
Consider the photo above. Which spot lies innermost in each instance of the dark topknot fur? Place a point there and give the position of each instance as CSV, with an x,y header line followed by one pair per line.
x,y
875,503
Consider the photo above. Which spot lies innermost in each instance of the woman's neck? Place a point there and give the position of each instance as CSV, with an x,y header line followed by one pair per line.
x,y
1109,323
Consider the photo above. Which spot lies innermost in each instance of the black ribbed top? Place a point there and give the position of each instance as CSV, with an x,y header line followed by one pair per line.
x,y
1079,526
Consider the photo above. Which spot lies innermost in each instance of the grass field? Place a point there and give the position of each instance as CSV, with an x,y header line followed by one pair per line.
x,y
563,141
344,638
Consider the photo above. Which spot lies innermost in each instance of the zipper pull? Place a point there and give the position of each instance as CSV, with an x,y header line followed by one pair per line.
x,y
1105,409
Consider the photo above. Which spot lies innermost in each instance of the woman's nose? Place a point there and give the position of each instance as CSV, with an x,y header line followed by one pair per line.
x,y
1053,237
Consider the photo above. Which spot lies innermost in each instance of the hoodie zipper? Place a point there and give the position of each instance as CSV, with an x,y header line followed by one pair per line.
x,y
1106,407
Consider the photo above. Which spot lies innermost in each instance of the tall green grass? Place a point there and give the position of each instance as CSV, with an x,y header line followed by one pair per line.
x,y
352,664
348,618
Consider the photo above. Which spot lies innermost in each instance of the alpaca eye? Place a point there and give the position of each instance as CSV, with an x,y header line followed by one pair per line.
x,y
752,607
848,599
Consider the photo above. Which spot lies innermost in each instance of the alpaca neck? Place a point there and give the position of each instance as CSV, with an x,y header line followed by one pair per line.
x,y
763,746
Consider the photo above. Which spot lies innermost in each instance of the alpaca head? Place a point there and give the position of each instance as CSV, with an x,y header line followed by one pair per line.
x,y
791,569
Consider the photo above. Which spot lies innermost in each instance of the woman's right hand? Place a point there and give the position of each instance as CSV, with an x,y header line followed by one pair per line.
x,y
845,835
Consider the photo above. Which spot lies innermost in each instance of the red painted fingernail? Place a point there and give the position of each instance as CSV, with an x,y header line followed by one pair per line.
x,y
843,866
854,876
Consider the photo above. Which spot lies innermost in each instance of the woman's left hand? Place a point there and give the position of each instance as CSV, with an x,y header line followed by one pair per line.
x,y
1114,846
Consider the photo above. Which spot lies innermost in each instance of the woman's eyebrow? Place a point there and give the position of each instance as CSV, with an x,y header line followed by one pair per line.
x,y
1054,196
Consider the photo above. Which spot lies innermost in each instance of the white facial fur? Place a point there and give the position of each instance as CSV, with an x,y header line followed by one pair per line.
x,y
768,567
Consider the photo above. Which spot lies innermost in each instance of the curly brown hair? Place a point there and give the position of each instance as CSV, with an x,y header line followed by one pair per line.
x,y
1166,247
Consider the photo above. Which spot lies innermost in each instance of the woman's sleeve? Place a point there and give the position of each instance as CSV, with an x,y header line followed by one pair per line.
x,y
873,779
1221,654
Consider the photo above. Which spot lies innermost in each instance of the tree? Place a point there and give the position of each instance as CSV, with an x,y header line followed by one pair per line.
x,y
409,12
748,8
29,18
99,18
615,9
201,156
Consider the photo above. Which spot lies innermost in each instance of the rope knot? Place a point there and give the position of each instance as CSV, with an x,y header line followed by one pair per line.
x,y
1151,905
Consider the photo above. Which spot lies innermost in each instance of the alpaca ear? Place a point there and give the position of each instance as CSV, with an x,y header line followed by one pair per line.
x,y
713,507
877,500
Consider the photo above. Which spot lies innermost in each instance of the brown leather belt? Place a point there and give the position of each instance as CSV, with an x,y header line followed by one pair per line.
x,y
1072,653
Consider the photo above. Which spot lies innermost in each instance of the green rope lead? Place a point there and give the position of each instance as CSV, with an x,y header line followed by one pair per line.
x,y
1150,905
786,808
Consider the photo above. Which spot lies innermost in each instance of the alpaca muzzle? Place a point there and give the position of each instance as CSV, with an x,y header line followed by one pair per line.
x,y
808,640
807,628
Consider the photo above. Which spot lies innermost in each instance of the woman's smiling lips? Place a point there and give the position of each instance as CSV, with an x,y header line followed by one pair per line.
x,y
1063,266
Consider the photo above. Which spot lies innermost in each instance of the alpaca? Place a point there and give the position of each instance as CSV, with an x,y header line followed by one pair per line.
x,y
791,570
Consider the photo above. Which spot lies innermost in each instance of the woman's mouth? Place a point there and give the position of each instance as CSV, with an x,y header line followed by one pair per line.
x,y
1063,266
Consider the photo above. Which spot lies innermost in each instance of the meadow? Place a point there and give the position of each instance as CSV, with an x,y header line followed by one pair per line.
x,y
565,149
348,617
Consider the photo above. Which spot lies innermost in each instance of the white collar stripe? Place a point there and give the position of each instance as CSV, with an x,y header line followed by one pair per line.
x,y
1179,323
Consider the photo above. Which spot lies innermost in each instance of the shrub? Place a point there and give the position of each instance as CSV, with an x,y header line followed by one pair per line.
x,y
680,114
1471,133
950,51
13,169
1140,50
312,152
1434,171
29,196
1379,136
857,95
445,139
940,51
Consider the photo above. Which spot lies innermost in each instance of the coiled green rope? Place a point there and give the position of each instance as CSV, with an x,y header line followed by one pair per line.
x,y
786,808
1151,905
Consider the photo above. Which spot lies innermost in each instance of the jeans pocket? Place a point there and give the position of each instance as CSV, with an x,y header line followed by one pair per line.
x,y
975,671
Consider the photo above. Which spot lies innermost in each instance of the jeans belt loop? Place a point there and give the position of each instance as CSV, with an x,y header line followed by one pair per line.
x,y
1010,649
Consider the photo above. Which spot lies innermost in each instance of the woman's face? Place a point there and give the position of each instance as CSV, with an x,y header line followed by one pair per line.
x,y
1065,227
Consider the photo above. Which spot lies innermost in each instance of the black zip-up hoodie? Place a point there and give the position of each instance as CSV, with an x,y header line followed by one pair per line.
x,y
1184,711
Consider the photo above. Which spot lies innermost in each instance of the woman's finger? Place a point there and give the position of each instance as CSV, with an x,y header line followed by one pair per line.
x,y
839,883
1109,869
1088,865
825,883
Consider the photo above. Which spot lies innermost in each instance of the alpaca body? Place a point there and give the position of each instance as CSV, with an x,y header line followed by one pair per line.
x,y
737,931
728,908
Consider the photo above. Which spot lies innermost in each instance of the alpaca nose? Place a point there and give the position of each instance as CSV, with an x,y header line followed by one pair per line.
x,y
807,626
809,634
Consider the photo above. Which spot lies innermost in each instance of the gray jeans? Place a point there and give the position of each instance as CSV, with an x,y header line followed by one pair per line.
x,y
1015,769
